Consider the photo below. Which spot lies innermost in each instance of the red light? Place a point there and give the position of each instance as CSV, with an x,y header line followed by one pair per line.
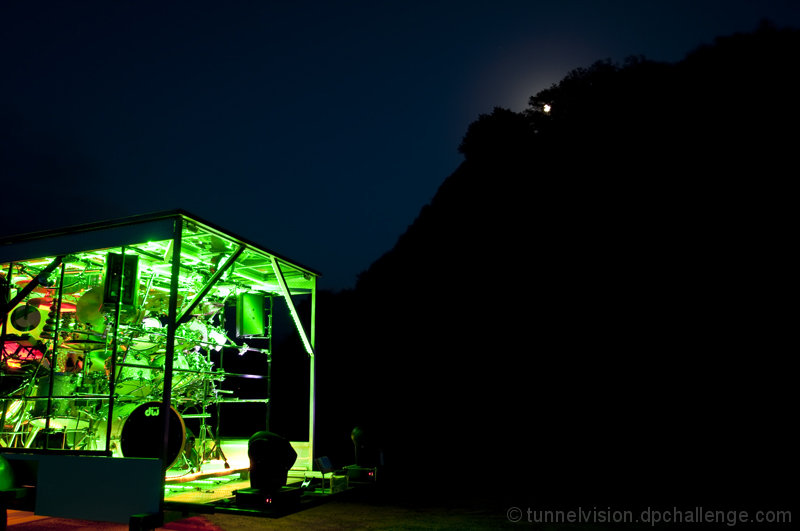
x,y
46,302
267,500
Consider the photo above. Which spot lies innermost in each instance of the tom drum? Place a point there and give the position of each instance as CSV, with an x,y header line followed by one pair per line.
x,y
134,381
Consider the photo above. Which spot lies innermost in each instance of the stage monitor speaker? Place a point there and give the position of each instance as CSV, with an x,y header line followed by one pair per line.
x,y
250,315
5,290
117,280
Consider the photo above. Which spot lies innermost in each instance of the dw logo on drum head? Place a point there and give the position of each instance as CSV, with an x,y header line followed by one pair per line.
x,y
152,411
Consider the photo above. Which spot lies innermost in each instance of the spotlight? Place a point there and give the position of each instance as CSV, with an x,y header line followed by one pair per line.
x,y
271,457
367,452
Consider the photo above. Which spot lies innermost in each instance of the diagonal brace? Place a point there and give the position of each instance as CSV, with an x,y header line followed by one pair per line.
x,y
288,297
184,316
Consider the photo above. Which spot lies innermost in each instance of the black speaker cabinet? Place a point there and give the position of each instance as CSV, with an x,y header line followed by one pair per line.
x,y
121,276
250,314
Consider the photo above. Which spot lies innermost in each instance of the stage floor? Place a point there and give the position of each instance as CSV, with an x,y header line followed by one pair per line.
x,y
215,481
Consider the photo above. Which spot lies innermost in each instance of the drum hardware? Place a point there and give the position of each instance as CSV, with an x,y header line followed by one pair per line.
x,y
31,410
190,370
142,307
71,423
84,335
199,450
83,410
243,375
73,431
243,400
207,434
141,337
94,362
73,287
196,416
133,380
54,398
14,414
52,325
190,456
40,278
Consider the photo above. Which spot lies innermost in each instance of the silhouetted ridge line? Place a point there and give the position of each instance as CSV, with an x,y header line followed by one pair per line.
x,y
593,297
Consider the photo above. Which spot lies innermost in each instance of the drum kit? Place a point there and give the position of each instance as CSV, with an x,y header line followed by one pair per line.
x,y
84,354
62,398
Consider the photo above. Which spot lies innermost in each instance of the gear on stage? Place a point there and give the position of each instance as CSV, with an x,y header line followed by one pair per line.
x,y
88,359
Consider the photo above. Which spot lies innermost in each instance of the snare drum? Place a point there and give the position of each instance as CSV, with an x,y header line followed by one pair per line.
x,y
64,414
64,385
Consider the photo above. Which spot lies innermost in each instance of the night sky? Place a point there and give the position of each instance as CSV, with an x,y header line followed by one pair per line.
x,y
316,129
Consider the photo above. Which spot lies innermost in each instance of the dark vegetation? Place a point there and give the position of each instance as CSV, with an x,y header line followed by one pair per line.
x,y
592,307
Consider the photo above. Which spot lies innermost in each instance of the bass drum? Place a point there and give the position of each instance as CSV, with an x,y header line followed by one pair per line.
x,y
136,431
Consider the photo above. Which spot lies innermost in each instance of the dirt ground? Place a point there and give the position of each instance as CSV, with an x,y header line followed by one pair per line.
x,y
356,513
333,514
376,508
362,508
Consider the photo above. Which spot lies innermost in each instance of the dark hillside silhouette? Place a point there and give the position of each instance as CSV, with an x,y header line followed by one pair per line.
x,y
592,304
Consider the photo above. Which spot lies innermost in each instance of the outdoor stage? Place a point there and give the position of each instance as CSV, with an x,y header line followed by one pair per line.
x,y
126,344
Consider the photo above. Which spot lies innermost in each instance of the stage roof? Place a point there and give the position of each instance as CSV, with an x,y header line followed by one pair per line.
x,y
202,241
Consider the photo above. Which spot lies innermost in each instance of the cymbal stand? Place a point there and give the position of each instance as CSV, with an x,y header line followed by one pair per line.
x,y
206,434
217,452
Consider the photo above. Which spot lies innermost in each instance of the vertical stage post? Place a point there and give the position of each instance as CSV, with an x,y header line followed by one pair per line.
x,y
306,342
312,408
172,325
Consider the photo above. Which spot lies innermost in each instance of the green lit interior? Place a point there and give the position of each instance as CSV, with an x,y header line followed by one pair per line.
x,y
87,347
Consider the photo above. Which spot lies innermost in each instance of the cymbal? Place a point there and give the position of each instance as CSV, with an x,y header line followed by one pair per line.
x,y
89,307
82,344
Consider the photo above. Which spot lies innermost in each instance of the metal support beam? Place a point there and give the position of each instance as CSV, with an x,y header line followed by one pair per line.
x,y
32,285
308,343
312,374
184,316
169,352
288,297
